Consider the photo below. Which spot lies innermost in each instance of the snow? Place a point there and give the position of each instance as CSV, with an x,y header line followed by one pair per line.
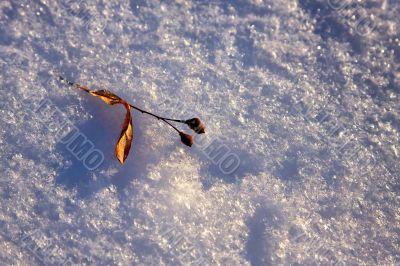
x,y
299,165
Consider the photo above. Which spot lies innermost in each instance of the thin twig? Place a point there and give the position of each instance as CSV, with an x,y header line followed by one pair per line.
x,y
78,86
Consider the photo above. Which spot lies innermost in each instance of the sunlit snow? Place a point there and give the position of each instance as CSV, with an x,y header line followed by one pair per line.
x,y
299,164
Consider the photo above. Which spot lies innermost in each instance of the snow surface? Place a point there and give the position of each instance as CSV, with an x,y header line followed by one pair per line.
x,y
303,97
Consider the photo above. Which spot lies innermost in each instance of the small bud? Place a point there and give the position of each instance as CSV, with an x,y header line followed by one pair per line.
x,y
196,125
186,139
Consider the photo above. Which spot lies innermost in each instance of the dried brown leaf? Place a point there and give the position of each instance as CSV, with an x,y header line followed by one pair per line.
x,y
125,140
107,96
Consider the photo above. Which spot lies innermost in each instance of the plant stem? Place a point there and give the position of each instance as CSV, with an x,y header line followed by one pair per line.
x,y
156,116
159,117
76,85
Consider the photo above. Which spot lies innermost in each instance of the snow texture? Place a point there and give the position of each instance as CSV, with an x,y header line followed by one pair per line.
x,y
299,165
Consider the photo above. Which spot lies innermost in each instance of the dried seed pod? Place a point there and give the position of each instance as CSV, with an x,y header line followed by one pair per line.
x,y
196,125
186,139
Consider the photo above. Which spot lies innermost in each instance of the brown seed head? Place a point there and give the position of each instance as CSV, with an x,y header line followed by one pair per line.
x,y
186,139
196,125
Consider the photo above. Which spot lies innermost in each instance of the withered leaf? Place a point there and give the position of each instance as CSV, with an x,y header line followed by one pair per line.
x,y
107,96
125,140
